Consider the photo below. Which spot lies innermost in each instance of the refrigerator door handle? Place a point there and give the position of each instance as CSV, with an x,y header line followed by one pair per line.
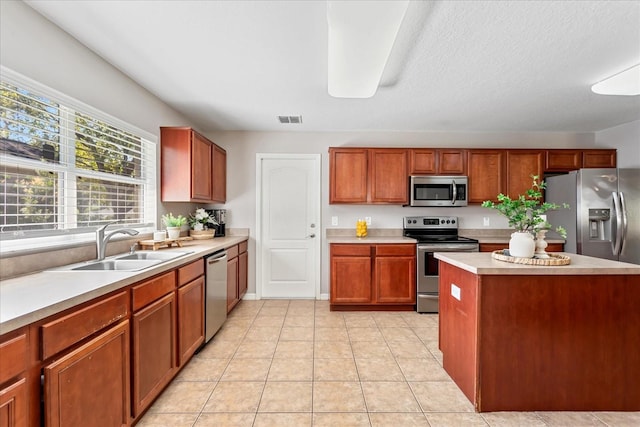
x,y
616,241
623,209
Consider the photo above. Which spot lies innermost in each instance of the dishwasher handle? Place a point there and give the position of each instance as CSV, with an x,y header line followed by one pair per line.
x,y
217,257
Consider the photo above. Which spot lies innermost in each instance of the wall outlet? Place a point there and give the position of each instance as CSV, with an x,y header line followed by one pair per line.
x,y
486,222
334,220
367,220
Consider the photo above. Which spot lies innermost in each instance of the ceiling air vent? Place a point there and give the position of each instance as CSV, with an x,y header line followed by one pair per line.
x,y
290,119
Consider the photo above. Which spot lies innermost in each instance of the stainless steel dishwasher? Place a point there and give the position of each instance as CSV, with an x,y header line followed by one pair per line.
x,y
215,307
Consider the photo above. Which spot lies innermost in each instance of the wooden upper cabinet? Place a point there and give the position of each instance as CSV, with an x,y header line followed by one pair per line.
x,y
193,169
563,160
486,174
388,176
452,162
599,159
422,161
348,175
431,161
521,164
219,184
368,175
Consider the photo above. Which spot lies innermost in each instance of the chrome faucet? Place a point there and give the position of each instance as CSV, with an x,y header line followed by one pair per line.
x,y
102,239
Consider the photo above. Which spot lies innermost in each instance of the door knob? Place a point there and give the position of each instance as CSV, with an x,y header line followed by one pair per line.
x,y
311,235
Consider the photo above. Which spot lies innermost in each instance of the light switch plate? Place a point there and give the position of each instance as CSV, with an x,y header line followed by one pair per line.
x,y
485,221
368,220
334,220
455,292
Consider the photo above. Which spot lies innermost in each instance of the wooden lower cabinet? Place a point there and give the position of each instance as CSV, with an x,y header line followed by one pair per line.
x,y
13,404
190,319
374,277
89,386
237,274
154,350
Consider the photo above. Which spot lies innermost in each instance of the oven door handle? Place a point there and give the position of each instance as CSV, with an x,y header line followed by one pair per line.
x,y
455,192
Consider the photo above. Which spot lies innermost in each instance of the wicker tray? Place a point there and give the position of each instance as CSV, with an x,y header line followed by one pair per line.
x,y
554,259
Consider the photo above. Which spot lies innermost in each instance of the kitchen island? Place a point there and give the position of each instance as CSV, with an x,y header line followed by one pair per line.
x,y
537,338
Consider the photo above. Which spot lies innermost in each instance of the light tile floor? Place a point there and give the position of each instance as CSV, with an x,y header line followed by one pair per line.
x,y
295,363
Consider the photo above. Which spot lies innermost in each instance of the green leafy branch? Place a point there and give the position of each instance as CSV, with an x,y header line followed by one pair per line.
x,y
523,212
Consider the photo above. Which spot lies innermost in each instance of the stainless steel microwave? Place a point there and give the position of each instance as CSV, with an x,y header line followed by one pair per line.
x,y
442,191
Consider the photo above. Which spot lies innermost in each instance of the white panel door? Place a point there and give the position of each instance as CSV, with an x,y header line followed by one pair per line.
x,y
289,225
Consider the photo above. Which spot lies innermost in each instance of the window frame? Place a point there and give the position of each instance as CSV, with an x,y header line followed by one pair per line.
x,y
38,240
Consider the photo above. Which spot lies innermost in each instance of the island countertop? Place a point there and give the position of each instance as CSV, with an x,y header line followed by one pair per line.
x,y
482,263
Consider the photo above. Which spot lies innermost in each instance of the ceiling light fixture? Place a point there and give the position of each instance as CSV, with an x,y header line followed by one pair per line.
x,y
626,82
361,35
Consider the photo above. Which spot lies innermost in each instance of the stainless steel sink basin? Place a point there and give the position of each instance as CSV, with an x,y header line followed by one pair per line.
x,y
119,264
127,262
152,255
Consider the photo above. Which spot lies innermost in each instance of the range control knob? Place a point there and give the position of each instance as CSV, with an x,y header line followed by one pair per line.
x,y
453,221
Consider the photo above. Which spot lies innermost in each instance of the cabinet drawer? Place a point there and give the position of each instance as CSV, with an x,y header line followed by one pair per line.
x,y
13,354
242,246
232,252
395,250
350,250
152,290
190,271
70,329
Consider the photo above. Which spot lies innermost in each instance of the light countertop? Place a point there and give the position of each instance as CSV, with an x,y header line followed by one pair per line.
x,y
482,263
371,239
27,299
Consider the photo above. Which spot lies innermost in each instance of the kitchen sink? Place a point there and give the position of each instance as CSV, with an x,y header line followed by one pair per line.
x,y
152,255
119,264
127,262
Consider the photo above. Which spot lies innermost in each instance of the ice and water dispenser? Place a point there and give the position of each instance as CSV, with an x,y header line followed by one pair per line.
x,y
599,224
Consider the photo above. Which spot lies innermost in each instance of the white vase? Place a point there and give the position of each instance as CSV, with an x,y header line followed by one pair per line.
x,y
522,244
173,232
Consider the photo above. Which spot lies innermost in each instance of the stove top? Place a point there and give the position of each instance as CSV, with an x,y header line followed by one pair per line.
x,y
431,229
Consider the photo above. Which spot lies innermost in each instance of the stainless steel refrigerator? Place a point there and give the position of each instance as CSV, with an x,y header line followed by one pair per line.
x,y
603,219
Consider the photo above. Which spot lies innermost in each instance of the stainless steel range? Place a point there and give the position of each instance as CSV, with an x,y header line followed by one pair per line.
x,y
434,234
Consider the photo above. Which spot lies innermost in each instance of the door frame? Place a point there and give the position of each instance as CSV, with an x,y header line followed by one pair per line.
x,y
260,157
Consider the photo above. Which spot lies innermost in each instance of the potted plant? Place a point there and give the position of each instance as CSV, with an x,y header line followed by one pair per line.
x,y
173,224
526,215
202,224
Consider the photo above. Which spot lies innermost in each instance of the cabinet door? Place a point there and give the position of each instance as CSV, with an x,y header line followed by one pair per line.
x,y
563,160
243,265
394,280
190,319
201,171
451,162
90,385
486,172
154,350
599,159
348,175
13,404
219,184
422,161
520,166
351,280
388,174
232,283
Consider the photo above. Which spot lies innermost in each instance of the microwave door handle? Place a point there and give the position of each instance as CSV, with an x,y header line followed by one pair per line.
x,y
455,192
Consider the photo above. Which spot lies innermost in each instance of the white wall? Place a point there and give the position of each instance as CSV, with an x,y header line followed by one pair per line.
x,y
626,138
241,157
34,47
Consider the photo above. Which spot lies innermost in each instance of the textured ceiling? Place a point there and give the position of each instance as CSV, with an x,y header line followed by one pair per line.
x,y
456,66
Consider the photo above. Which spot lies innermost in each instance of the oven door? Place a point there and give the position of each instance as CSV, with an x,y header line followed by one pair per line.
x,y
438,191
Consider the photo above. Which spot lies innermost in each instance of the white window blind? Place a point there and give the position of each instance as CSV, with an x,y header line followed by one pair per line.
x,y
67,168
